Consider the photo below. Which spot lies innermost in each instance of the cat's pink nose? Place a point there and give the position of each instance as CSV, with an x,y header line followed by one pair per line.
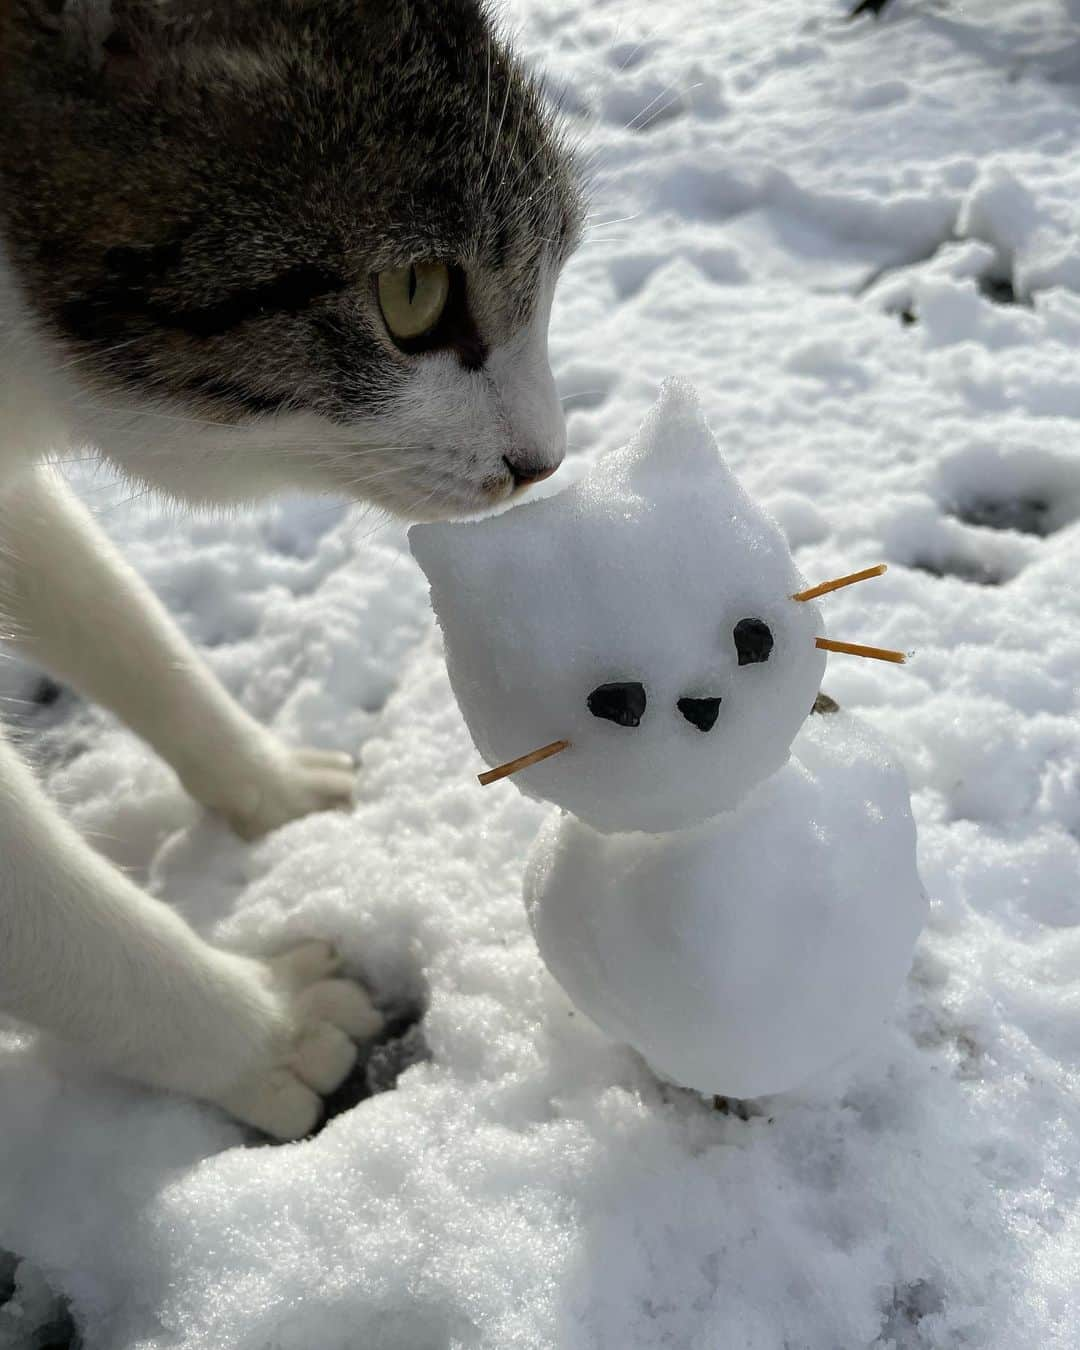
x,y
526,471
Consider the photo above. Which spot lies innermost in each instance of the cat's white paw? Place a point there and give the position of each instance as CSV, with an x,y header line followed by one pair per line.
x,y
326,1016
258,793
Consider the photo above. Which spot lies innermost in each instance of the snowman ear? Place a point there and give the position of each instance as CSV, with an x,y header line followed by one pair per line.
x,y
459,559
440,548
675,441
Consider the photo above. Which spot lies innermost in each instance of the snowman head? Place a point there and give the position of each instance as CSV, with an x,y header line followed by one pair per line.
x,y
646,616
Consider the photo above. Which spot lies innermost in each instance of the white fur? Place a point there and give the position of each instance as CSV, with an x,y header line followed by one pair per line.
x,y
85,954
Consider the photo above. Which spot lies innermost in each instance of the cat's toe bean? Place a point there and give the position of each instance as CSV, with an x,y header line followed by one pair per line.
x,y
333,788
327,759
346,1005
312,1049
277,1103
322,784
323,1057
307,963
282,785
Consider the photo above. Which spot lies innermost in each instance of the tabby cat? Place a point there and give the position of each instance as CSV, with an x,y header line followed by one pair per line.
x,y
244,246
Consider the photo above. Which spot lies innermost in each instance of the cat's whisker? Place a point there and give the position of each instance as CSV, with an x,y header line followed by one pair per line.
x,y
383,517
637,47
300,443
421,502
648,34
366,479
513,149
498,133
487,101
593,155
857,649
140,496
558,98
58,462
94,355
679,93
181,420
546,186
522,762
154,412
412,506
618,220
839,582
634,123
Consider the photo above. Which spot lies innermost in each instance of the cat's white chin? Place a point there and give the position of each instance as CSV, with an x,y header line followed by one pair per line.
x,y
229,466
455,502
434,495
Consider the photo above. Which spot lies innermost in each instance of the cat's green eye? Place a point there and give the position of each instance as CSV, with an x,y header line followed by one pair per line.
x,y
412,298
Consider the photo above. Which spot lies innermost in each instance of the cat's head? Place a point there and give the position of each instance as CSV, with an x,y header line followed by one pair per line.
x,y
646,616
288,242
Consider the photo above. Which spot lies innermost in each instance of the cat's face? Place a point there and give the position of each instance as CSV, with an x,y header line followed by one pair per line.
x,y
289,242
644,615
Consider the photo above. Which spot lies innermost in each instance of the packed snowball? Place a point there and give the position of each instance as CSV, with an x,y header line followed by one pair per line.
x,y
746,955
742,918
645,616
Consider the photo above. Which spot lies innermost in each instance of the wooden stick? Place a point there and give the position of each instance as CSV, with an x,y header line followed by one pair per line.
x,y
856,649
827,586
524,762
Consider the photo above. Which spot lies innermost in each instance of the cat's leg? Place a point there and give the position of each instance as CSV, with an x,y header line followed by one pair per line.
x,y
86,955
76,607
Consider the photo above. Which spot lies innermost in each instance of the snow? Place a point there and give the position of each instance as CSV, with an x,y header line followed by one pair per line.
x,y
532,1184
758,951
638,574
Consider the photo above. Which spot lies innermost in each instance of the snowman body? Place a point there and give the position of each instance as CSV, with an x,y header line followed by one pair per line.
x,y
748,954
740,911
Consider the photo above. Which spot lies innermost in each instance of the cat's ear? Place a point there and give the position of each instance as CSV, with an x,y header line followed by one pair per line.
x,y
7,8
106,46
673,441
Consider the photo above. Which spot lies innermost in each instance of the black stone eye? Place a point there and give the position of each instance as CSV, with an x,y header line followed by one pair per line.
x,y
701,712
623,703
753,641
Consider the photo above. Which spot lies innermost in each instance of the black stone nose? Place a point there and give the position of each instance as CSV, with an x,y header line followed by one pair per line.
x,y
702,712
525,470
621,703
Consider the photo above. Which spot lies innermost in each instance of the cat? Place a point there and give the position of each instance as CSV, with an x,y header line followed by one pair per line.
x,y
263,245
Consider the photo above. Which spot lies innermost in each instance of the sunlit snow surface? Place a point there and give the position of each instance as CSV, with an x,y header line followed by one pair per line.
x,y
789,192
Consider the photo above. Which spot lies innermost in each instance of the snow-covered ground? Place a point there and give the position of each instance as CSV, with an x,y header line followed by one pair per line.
x,y
860,242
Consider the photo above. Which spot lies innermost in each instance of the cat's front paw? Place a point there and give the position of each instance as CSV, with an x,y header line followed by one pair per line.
x,y
260,792
326,1017
302,782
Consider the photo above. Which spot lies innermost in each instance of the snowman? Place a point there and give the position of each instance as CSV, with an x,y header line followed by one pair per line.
x,y
730,885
